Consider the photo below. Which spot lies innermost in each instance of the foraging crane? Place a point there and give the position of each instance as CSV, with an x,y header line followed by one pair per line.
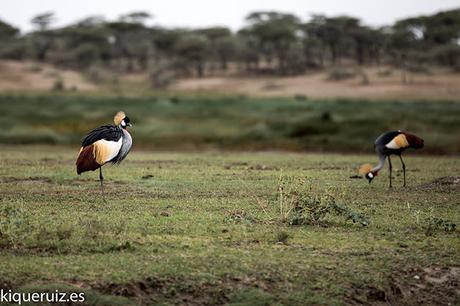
x,y
108,143
394,142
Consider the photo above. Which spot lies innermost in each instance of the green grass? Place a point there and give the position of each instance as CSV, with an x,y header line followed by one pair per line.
x,y
179,122
206,228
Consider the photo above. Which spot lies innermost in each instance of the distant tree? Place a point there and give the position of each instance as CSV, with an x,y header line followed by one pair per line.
x,y
12,45
221,42
314,48
275,32
7,31
43,21
132,42
335,33
81,45
136,17
249,52
439,33
42,39
91,21
193,49
447,55
226,49
366,43
165,39
271,42
405,43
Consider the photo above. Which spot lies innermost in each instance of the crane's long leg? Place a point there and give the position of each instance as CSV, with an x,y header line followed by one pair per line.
x,y
391,169
101,178
404,169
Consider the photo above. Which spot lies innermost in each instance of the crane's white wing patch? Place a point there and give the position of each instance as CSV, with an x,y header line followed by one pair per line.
x,y
106,150
398,142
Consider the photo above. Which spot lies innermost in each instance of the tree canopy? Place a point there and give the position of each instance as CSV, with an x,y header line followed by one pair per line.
x,y
270,42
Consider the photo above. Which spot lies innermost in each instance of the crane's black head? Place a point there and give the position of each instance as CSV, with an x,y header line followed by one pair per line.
x,y
125,122
370,176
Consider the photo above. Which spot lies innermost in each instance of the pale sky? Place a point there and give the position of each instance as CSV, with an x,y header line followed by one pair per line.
x,y
202,13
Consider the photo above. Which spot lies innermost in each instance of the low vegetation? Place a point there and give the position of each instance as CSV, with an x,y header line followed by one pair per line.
x,y
165,122
209,229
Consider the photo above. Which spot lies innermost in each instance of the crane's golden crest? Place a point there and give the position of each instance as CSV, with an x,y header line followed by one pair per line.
x,y
119,117
364,169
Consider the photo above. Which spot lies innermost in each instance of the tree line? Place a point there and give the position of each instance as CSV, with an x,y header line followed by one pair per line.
x,y
271,42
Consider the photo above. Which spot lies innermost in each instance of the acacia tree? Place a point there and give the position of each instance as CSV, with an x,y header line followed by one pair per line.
x,y
405,45
439,33
131,43
275,32
139,17
10,47
193,49
42,39
81,45
221,46
43,21
226,49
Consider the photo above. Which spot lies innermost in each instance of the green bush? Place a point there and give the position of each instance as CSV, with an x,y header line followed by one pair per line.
x,y
301,204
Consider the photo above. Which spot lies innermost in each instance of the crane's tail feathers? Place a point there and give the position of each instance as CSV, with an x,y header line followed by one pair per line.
x,y
364,169
86,160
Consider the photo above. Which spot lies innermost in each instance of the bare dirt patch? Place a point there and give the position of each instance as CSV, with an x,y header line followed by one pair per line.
x,y
18,76
420,286
30,179
443,182
183,292
437,85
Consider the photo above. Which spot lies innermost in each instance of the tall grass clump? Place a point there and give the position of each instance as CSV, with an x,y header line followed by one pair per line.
x,y
300,202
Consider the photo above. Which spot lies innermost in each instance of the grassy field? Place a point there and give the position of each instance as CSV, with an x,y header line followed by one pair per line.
x,y
219,228
231,122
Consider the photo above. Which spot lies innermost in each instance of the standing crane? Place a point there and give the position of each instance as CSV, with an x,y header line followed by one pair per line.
x,y
391,143
108,143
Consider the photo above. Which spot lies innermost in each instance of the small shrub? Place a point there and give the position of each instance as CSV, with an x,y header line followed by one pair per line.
x,y
271,86
433,225
162,75
34,68
282,237
239,216
300,204
300,97
58,85
326,116
339,74
95,74
418,68
384,73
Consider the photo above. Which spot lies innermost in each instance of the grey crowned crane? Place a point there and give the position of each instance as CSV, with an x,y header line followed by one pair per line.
x,y
106,144
391,143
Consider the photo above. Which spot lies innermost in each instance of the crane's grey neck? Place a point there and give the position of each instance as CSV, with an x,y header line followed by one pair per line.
x,y
380,165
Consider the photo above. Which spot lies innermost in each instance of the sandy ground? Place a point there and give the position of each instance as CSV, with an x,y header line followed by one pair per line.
x,y
439,85
20,76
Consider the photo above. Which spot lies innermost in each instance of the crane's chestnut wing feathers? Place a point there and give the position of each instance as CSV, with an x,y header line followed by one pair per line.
x,y
397,141
106,132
